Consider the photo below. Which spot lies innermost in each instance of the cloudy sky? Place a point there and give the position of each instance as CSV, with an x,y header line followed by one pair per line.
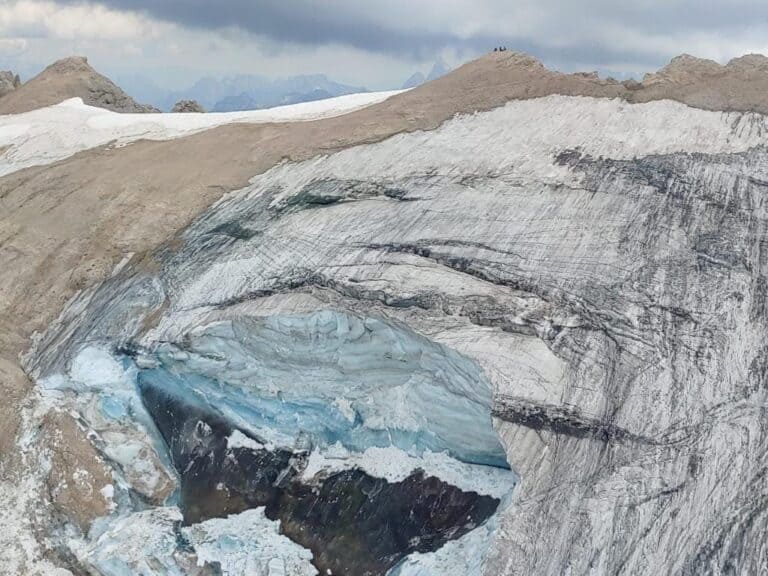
x,y
375,43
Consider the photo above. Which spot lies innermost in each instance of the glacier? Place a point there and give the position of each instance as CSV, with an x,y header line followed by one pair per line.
x,y
556,307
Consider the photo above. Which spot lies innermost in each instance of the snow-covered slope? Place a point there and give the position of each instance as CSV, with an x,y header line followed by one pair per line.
x,y
48,134
575,286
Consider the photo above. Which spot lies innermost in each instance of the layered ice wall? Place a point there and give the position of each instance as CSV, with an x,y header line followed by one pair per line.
x,y
361,382
588,272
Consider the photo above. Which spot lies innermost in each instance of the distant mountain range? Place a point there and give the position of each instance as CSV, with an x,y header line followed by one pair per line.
x,y
241,92
250,91
438,69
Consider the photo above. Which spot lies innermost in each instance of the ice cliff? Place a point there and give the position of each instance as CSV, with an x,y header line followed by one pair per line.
x,y
569,287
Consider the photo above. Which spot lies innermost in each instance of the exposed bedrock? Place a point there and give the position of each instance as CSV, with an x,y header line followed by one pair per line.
x,y
354,523
601,292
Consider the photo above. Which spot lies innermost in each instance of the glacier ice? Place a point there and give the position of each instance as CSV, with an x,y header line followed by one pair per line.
x,y
606,284
354,392
249,543
283,377
140,543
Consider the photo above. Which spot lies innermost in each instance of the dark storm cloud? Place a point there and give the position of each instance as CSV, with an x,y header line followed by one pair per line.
x,y
566,32
296,21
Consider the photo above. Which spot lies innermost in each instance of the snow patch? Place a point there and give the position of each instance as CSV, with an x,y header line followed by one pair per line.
x,y
108,492
249,543
239,440
49,134
395,465
94,367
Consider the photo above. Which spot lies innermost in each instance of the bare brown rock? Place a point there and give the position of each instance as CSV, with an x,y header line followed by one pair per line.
x,y
741,85
749,63
684,69
78,477
69,78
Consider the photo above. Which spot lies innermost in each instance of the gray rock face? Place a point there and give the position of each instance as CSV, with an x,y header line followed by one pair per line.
x,y
187,106
8,82
603,265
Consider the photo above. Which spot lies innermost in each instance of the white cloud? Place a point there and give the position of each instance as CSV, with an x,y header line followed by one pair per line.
x,y
12,46
46,19
132,50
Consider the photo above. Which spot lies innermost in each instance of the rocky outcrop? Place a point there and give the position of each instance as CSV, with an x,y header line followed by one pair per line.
x,y
187,106
8,82
70,78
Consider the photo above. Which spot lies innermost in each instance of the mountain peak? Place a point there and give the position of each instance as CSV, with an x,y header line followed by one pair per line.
x,y
684,69
70,77
516,59
754,62
439,68
69,65
414,80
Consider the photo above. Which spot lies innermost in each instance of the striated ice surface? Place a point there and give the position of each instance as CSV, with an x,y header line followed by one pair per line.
x,y
285,378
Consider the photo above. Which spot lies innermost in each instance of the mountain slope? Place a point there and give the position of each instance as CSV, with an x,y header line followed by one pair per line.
x,y
80,127
69,78
589,273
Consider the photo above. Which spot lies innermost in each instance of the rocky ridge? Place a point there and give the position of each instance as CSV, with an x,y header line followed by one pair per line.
x,y
68,78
